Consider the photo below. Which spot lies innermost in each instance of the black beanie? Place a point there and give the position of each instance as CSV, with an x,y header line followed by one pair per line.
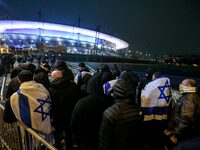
x,y
81,64
126,85
61,65
130,77
25,76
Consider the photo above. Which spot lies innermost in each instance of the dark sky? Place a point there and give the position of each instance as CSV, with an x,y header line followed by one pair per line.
x,y
154,26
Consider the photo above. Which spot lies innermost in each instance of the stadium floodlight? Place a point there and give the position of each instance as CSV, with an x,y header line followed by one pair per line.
x,y
53,30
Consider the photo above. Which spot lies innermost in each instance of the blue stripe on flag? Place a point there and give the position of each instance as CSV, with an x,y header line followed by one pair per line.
x,y
24,109
79,78
155,110
107,87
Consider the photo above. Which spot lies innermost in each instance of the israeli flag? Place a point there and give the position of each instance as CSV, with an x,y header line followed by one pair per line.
x,y
155,99
31,105
80,76
108,87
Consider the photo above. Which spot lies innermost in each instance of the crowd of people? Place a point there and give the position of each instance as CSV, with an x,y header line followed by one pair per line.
x,y
105,110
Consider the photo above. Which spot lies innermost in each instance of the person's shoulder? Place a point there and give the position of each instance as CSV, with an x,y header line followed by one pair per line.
x,y
112,112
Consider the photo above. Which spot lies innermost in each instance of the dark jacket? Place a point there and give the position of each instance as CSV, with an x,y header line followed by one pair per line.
x,y
120,128
42,77
13,86
87,115
185,121
64,94
115,71
8,115
106,74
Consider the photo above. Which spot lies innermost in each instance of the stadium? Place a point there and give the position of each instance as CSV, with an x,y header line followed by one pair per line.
x,y
30,35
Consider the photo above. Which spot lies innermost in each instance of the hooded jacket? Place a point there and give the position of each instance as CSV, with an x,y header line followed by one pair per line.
x,y
121,123
87,114
64,95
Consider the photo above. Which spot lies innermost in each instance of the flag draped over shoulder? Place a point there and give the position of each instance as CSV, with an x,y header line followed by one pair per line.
x,y
108,87
31,105
80,76
155,99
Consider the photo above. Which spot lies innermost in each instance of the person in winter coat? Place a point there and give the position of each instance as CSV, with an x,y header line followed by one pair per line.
x,y
82,77
41,76
30,104
64,94
141,84
87,114
184,126
115,71
106,73
121,122
67,72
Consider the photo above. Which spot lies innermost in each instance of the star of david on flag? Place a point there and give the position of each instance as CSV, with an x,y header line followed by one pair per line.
x,y
162,89
41,108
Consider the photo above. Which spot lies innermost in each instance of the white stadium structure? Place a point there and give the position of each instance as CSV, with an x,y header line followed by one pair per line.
x,y
27,34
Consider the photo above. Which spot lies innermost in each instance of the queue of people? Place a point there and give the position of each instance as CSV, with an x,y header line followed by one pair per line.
x,y
105,110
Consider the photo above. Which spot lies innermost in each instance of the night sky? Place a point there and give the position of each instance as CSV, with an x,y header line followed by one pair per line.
x,y
153,26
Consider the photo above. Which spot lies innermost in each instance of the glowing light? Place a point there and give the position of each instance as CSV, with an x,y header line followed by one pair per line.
x,y
91,44
48,28
58,39
99,46
195,65
22,37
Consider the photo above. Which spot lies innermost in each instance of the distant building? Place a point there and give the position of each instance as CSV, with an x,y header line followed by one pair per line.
x,y
31,35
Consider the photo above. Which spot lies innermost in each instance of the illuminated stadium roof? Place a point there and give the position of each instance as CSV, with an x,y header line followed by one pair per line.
x,y
59,31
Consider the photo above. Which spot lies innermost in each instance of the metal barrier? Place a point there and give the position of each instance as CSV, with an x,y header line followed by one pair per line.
x,y
17,136
3,84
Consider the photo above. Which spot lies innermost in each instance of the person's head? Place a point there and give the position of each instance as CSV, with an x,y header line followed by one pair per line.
x,y
15,72
31,67
81,66
57,74
114,67
104,67
61,65
126,85
115,71
25,76
94,85
156,75
149,73
46,67
188,86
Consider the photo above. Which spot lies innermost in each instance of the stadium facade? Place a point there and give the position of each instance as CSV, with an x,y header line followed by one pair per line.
x,y
30,34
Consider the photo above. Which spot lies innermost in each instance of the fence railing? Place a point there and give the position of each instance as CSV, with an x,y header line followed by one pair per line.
x,y
17,136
